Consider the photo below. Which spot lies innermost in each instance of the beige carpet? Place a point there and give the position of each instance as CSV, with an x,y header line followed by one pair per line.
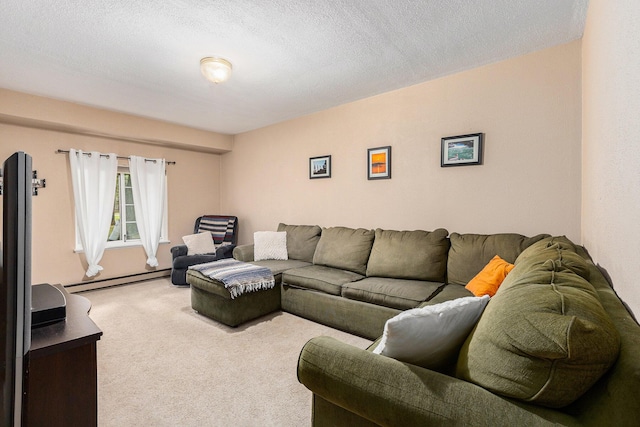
x,y
162,364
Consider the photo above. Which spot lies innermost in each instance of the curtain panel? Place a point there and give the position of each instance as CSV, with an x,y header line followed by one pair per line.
x,y
149,189
94,187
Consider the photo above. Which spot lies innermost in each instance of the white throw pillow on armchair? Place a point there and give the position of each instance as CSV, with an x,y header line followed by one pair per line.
x,y
200,243
270,245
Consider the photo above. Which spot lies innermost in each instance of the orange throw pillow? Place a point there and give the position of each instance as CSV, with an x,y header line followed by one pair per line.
x,y
490,278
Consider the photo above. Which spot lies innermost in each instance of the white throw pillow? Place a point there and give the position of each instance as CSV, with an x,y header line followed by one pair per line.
x,y
431,336
201,243
270,245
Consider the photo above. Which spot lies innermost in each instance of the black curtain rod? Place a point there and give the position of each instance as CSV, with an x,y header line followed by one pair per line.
x,y
59,151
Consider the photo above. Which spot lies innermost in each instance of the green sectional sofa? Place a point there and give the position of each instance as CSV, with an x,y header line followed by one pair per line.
x,y
554,346
356,279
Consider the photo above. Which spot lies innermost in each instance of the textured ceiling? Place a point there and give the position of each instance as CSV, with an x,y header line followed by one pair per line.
x,y
290,57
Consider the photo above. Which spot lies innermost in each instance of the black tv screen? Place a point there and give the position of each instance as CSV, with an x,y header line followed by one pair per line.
x,y
15,286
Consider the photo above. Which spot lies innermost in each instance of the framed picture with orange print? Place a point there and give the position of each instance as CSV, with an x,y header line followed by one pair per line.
x,y
379,163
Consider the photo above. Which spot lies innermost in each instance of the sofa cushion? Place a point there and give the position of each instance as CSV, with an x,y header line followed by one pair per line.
x,y
417,255
320,278
431,336
395,293
490,277
548,331
345,248
277,267
448,292
301,240
469,253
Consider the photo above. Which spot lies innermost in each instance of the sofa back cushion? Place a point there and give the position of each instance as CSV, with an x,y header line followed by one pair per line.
x,y
345,248
301,240
417,255
544,338
469,253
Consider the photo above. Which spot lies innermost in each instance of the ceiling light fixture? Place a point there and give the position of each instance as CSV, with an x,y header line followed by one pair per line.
x,y
214,69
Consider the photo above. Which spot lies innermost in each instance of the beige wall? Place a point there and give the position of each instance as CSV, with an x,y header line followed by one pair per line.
x,y
193,186
36,111
611,139
529,109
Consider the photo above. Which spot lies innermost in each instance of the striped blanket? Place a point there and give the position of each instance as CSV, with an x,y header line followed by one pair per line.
x,y
237,277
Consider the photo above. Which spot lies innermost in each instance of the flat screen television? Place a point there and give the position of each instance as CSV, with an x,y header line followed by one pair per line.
x,y
15,285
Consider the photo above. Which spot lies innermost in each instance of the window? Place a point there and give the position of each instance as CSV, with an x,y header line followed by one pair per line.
x,y
124,230
123,220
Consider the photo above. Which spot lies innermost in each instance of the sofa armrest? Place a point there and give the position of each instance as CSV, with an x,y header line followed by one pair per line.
x,y
388,392
180,250
183,262
243,253
225,251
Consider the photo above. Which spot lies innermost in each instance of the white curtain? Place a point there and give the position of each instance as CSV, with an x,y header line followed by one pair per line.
x,y
148,183
94,189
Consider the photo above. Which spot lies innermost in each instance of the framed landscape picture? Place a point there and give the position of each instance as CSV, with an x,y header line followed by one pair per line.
x,y
320,167
462,150
379,163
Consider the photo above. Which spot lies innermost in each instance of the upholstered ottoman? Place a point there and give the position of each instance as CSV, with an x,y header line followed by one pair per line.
x,y
210,298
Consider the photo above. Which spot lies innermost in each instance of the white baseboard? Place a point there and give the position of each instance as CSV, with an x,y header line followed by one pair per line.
x,y
116,281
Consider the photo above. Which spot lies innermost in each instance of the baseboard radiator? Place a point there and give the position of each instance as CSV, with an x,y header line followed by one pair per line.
x,y
117,281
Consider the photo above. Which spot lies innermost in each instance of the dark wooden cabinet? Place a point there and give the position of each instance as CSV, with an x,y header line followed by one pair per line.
x,y
61,382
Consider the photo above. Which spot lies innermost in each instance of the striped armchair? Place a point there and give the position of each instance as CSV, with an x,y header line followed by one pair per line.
x,y
224,232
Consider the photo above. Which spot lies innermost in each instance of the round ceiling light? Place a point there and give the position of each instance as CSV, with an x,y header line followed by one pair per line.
x,y
214,69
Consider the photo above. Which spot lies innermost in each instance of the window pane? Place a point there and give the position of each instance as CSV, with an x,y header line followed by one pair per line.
x,y
115,233
131,213
115,229
128,193
127,180
132,231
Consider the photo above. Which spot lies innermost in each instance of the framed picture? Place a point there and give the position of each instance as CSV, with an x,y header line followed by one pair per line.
x,y
379,163
462,150
320,167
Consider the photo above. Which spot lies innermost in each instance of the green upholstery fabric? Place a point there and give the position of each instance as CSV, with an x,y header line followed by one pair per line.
x,y
321,278
448,293
559,249
388,392
345,248
613,401
211,299
277,267
206,284
353,387
326,414
395,293
301,240
548,330
469,253
418,255
243,252
356,317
